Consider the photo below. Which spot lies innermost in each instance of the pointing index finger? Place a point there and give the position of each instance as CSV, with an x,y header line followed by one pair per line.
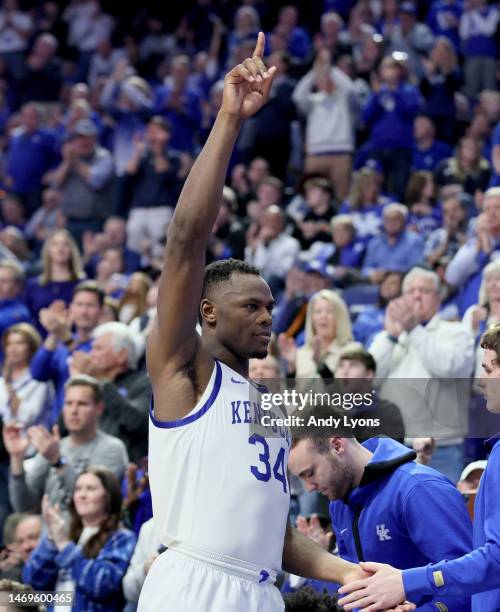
x,y
259,47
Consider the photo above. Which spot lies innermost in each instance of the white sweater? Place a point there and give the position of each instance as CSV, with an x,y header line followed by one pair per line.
x,y
330,118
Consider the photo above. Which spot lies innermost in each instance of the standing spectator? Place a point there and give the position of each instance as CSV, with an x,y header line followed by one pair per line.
x,y
246,28
23,399
328,334
47,219
42,79
443,18
51,359
270,249
439,85
85,180
427,151
330,122
389,116
153,183
419,346
180,104
12,307
314,225
104,61
114,236
271,126
90,553
297,38
420,198
31,154
58,462
15,29
228,236
126,390
61,272
478,25
396,249
445,241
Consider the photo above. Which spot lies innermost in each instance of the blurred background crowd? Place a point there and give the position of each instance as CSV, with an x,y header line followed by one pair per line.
x,y
367,191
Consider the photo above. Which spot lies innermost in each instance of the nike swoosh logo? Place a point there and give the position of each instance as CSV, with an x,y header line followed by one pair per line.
x,y
237,382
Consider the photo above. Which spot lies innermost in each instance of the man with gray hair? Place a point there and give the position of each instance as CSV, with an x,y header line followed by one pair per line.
x,y
395,249
126,390
435,358
465,269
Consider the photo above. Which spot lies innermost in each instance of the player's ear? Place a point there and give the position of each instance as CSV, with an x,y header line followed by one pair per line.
x,y
207,310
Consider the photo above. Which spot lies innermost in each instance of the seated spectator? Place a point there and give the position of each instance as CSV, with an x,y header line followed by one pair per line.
x,y
154,175
126,390
389,116
479,317
31,154
427,151
89,553
371,320
12,306
61,272
26,537
47,219
228,236
445,241
478,25
51,360
268,192
270,249
109,272
355,372
297,38
12,213
133,301
365,203
58,462
22,398
314,224
420,198
328,333
147,549
396,249
13,242
465,269
326,97
85,180
109,311
467,168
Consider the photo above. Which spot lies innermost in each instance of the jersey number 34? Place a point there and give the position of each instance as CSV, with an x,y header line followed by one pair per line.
x,y
263,471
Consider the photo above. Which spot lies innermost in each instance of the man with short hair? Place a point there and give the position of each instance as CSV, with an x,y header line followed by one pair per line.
x,y
478,572
386,507
26,537
51,360
432,360
126,390
54,469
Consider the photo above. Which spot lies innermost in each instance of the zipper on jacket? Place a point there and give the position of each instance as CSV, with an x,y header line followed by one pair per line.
x,y
355,533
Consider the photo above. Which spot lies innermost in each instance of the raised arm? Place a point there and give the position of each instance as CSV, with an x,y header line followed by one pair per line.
x,y
174,344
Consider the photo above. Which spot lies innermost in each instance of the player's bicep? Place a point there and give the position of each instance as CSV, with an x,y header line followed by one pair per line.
x,y
174,336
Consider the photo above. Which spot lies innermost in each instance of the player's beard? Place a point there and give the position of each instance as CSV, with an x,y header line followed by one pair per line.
x,y
340,482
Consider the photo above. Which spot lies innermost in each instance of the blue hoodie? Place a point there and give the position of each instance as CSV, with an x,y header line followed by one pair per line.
x,y
403,514
477,573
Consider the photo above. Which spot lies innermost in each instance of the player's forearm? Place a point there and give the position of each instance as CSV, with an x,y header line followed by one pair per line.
x,y
303,557
200,199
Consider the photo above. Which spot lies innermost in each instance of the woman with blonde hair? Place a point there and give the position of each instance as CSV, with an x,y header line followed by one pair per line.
x,y
23,399
133,303
328,332
364,203
61,271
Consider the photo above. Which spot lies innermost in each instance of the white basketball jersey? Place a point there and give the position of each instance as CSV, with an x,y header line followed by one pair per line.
x,y
214,484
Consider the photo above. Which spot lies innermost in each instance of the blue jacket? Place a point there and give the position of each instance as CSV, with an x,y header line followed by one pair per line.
x,y
403,514
53,365
477,573
98,581
389,115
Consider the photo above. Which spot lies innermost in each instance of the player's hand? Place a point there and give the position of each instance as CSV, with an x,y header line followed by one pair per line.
x,y
384,590
247,86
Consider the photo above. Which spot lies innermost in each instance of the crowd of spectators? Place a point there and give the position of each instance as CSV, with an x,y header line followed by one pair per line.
x,y
367,191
